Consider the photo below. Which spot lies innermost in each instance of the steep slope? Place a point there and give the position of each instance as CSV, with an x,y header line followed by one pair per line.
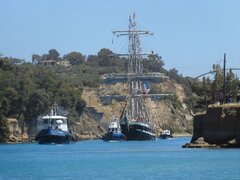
x,y
163,112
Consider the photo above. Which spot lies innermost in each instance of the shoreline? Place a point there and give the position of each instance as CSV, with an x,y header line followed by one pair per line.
x,y
182,135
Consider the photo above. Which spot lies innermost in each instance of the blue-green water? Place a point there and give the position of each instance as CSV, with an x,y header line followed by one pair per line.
x,y
161,159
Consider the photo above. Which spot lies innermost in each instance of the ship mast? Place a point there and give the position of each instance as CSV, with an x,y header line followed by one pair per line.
x,y
135,107
135,67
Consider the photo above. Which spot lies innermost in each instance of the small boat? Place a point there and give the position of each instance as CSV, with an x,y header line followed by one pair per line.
x,y
54,129
165,134
114,132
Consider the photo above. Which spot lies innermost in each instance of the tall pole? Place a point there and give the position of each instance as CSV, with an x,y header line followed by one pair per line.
x,y
205,92
224,74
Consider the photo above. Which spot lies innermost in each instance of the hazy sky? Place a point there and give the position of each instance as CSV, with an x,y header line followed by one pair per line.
x,y
189,35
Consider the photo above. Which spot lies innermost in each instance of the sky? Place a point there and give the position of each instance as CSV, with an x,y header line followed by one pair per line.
x,y
189,35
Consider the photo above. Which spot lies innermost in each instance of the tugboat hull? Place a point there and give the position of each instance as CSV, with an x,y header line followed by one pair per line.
x,y
138,132
54,136
111,136
165,136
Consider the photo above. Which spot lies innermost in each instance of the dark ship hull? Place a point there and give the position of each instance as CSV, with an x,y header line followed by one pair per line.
x,y
111,136
138,131
165,136
54,136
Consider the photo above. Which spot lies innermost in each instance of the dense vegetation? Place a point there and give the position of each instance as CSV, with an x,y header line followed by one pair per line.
x,y
208,91
29,89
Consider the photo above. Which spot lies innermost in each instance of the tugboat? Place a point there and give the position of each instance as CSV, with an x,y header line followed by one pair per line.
x,y
114,132
54,129
165,134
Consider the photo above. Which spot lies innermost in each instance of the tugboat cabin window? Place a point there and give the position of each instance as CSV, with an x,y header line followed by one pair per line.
x,y
54,121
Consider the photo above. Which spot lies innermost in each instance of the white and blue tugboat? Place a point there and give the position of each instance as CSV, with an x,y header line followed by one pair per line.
x,y
114,132
54,129
165,134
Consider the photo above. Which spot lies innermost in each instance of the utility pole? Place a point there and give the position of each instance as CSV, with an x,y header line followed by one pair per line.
x,y
224,74
205,92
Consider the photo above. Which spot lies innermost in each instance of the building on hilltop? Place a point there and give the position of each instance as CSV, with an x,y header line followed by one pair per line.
x,y
54,63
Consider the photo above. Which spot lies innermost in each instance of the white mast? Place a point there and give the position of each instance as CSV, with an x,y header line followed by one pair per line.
x,y
135,66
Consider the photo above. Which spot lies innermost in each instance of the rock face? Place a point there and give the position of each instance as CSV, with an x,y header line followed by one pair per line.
x,y
17,134
162,112
87,127
219,126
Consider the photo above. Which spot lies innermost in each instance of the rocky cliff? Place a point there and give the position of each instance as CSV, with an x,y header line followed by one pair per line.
x,y
163,112
17,134
218,127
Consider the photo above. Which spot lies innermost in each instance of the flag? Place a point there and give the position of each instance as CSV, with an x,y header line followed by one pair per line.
x,y
146,87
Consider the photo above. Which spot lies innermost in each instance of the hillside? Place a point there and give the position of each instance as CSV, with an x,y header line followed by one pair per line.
x,y
28,90
164,114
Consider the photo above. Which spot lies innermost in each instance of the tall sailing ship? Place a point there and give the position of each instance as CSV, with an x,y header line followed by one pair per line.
x,y
135,121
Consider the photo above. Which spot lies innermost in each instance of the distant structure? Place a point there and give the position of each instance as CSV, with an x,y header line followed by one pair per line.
x,y
54,63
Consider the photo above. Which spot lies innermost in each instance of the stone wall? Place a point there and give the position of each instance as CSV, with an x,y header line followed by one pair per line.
x,y
198,126
220,126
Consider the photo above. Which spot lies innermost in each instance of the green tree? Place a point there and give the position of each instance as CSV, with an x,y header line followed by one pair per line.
x,y
81,104
4,129
106,57
6,65
217,84
157,59
104,52
154,63
231,83
75,58
45,57
36,59
16,60
53,54
38,103
92,58
11,95
173,73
